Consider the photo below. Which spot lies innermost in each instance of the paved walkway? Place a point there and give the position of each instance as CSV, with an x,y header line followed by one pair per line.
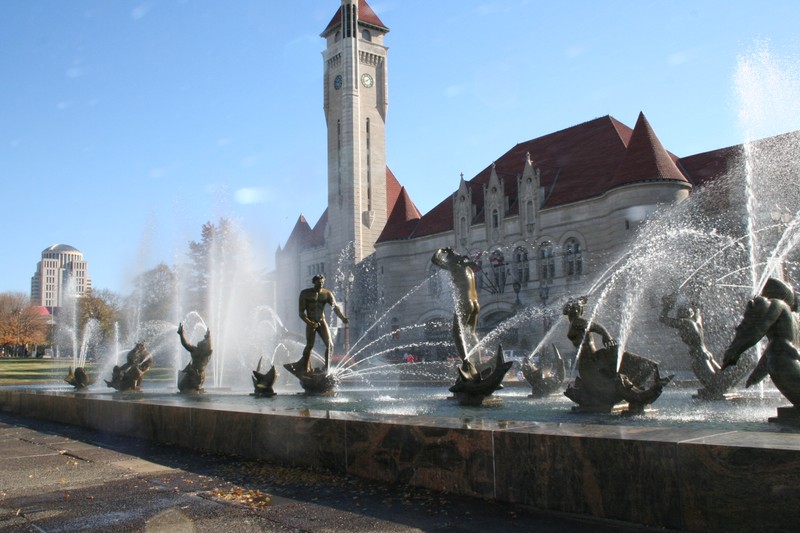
x,y
55,477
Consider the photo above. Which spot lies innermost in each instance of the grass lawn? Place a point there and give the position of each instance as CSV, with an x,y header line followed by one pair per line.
x,y
29,371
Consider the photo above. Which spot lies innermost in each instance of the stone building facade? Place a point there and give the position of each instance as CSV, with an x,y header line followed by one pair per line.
x,y
542,221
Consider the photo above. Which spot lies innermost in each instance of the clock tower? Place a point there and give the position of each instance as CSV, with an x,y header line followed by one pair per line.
x,y
355,102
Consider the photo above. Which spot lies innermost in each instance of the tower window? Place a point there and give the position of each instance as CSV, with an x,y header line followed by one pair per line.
x,y
369,172
366,35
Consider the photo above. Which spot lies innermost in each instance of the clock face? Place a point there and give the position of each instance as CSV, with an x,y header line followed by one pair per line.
x,y
337,82
366,80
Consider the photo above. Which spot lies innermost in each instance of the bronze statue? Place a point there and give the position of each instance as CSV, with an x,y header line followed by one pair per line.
x,y
688,322
475,381
771,315
487,378
312,311
129,376
78,378
465,317
263,382
600,384
192,377
546,376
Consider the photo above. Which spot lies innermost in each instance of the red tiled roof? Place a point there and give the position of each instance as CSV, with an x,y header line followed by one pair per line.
x,y
645,159
707,166
393,188
365,16
575,164
402,220
40,310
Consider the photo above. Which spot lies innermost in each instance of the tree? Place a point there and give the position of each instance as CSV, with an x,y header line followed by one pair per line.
x,y
21,324
104,306
154,294
215,253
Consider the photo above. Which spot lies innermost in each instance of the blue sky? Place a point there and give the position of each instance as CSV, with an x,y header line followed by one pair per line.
x,y
126,125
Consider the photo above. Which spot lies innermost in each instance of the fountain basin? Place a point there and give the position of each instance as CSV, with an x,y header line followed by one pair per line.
x,y
675,476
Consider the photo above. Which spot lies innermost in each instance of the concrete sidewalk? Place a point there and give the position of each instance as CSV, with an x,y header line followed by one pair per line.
x,y
55,477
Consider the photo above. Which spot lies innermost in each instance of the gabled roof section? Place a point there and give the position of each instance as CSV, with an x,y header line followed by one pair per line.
x,y
317,235
707,166
299,235
575,164
645,159
366,16
393,189
403,219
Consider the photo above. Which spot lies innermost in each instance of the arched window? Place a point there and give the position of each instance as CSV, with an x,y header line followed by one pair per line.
x,y
521,266
434,281
495,219
498,261
366,35
547,263
529,216
573,258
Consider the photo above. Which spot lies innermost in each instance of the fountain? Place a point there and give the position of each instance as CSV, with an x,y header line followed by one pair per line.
x,y
128,377
545,376
476,380
703,453
771,314
193,376
313,301
263,383
606,376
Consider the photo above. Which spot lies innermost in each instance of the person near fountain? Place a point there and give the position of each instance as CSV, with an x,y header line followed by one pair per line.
x,y
312,311
771,315
465,318
194,374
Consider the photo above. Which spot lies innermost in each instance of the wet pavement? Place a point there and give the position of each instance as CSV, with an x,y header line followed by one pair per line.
x,y
59,478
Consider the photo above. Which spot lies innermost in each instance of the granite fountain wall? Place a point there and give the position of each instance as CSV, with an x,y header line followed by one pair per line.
x,y
696,480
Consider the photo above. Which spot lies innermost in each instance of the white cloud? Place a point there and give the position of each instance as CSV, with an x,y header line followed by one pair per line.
x,y
575,50
251,195
453,91
140,11
158,172
250,161
679,58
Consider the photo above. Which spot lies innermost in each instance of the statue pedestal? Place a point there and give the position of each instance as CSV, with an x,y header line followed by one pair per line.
x,y
789,416
597,408
318,381
475,400
704,394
